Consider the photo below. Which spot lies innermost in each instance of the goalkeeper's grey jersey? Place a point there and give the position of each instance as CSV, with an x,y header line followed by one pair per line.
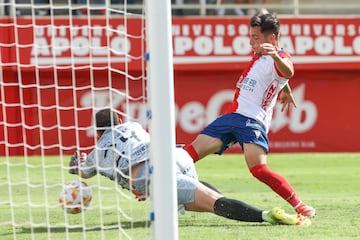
x,y
117,150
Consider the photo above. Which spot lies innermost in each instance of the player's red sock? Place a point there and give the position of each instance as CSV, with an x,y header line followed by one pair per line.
x,y
276,182
191,150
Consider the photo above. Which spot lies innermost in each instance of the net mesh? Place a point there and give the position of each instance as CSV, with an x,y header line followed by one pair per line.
x,y
60,62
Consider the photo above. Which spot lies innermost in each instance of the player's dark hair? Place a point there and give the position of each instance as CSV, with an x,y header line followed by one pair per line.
x,y
268,23
105,118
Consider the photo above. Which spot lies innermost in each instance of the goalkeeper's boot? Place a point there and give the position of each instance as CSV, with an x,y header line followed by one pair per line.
x,y
279,216
306,210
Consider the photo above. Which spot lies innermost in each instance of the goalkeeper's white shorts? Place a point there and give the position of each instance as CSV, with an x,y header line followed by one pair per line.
x,y
186,178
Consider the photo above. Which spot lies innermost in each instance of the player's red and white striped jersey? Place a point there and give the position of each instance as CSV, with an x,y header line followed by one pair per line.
x,y
257,89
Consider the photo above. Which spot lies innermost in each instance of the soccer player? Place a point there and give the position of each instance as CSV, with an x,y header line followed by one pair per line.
x,y
248,118
122,155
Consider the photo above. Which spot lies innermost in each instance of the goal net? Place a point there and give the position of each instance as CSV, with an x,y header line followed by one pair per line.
x,y
60,62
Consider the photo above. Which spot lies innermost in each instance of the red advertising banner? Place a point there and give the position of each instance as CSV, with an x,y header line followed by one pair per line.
x,y
326,118
325,43
66,42
48,91
198,43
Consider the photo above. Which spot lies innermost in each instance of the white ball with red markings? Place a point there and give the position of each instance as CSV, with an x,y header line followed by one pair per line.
x,y
75,196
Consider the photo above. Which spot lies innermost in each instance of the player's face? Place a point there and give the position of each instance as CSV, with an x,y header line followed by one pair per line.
x,y
257,38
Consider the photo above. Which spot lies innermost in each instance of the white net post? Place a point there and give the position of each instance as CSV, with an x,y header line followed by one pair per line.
x,y
161,94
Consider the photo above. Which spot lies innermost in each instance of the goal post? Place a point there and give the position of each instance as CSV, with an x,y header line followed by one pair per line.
x,y
162,118
60,62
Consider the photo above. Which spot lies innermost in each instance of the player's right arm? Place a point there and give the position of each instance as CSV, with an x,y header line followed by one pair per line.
x,y
282,60
77,164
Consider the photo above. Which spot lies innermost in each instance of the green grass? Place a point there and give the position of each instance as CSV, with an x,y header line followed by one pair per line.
x,y
329,182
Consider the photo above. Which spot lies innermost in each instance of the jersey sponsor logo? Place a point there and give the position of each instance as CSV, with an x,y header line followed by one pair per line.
x,y
269,94
257,134
248,84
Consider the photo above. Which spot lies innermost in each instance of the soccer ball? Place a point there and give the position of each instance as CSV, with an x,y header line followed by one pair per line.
x,y
75,196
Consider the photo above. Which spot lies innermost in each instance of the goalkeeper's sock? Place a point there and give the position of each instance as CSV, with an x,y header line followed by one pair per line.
x,y
192,152
276,182
237,210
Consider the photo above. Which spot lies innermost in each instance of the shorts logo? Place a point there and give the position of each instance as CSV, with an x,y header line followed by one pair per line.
x,y
257,134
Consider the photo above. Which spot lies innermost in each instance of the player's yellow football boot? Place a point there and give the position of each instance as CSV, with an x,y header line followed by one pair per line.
x,y
279,216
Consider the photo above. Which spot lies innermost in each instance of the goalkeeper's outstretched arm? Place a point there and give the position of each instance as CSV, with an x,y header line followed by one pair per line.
x,y
75,163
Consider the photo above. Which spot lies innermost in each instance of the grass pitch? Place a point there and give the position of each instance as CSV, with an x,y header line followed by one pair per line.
x,y
330,182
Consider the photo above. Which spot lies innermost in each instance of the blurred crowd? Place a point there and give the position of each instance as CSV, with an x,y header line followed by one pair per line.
x,y
179,7
81,7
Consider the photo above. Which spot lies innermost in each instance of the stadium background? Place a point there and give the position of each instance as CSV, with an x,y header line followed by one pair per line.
x,y
325,44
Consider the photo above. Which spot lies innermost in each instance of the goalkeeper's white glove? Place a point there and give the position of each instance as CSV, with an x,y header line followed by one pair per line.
x,y
75,162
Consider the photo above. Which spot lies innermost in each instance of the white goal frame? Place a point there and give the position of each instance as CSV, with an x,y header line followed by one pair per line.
x,y
162,123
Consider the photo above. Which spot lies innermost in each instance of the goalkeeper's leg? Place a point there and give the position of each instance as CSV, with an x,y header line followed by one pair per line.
x,y
210,186
237,210
208,200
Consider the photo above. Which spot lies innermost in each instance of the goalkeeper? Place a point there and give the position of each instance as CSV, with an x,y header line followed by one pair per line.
x,y
122,155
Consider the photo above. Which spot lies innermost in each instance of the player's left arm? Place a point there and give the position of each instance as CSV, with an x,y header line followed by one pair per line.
x,y
286,98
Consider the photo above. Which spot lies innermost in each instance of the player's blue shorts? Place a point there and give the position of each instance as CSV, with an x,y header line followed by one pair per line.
x,y
233,127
